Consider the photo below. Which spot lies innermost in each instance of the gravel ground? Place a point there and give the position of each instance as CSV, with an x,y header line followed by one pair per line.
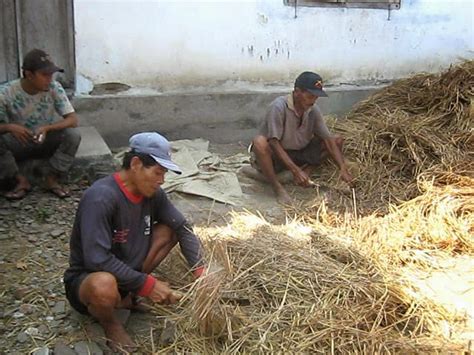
x,y
35,317
34,234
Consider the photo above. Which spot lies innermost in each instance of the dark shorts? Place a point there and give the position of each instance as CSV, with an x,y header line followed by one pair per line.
x,y
311,154
72,286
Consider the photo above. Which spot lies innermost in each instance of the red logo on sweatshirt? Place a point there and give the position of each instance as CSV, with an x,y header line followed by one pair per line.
x,y
120,236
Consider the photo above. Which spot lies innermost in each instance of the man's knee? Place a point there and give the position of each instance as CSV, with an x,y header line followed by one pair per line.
x,y
100,289
260,145
72,136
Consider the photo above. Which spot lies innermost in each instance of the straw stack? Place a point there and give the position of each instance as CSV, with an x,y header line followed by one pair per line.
x,y
289,288
420,124
335,280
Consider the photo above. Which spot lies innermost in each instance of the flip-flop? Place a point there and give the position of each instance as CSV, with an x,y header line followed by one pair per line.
x,y
17,193
59,191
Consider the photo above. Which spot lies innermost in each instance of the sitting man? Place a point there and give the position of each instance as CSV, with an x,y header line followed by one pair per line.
x,y
124,227
294,136
30,125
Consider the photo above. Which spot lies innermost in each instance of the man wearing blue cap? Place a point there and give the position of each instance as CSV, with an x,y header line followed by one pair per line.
x,y
124,227
294,136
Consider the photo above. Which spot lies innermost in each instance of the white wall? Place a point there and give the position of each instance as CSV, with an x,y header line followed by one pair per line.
x,y
181,44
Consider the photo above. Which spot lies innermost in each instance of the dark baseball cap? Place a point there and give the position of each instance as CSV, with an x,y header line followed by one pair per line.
x,y
37,59
311,82
156,146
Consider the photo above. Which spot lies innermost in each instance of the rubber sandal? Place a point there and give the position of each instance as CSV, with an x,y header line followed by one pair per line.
x,y
17,193
59,191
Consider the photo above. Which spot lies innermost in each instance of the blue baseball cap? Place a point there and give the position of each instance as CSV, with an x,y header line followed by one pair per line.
x,y
156,146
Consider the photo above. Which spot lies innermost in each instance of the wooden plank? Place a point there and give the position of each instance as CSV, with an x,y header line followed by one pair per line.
x,y
48,25
9,64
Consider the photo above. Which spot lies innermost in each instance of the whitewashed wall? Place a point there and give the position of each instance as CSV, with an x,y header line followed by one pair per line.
x,y
185,44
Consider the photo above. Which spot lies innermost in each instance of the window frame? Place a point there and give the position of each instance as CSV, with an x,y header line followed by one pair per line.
x,y
360,4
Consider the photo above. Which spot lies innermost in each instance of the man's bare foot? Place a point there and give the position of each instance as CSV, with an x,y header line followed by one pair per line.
x,y
118,339
283,177
283,197
252,173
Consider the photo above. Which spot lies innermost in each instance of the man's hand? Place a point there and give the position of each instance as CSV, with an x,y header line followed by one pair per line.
x,y
347,177
163,294
23,134
40,134
301,178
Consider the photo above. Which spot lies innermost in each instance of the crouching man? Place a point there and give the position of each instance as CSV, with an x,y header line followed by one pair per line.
x,y
36,121
294,136
124,227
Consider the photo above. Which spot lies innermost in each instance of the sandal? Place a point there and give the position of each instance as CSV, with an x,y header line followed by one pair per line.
x,y
59,191
17,193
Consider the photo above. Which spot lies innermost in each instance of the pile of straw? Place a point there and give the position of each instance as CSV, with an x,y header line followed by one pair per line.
x,y
288,288
330,284
420,124
337,282
439,222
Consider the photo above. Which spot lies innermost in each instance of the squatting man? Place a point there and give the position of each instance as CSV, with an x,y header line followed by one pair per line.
x,y
124,227
294,136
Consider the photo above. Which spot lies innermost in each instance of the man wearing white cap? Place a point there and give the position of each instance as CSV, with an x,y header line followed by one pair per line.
x,y
124,227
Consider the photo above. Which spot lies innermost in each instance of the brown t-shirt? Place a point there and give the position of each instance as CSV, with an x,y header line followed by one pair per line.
x,y
282,122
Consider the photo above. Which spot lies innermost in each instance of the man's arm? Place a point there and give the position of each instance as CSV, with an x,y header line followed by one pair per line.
x,y
20,132
23,134
336,154
330,142
300,177
164,212
70,120
64,108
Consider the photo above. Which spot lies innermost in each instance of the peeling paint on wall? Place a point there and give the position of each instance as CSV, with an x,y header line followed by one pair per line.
x,y
170,45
